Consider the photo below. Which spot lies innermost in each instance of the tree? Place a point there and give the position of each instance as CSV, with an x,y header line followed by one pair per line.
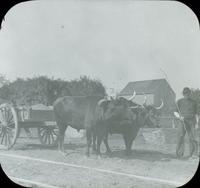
x,y
3,80
4,89
196,96
46,90
84,86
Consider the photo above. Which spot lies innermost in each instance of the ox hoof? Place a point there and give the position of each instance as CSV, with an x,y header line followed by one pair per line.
x,y
128,153
86,157
108,153
63,153
87,154
99,157
94,151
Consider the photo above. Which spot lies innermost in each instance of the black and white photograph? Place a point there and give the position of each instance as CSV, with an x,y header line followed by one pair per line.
x,y
100,94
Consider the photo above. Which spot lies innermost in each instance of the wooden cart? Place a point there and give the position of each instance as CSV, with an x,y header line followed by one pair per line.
x,y
12,119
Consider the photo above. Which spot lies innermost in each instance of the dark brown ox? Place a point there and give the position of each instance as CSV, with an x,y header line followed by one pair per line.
x,y
77,112
121,116
153,113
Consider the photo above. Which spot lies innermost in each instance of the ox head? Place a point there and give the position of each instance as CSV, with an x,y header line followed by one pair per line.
x,y
148,114
115,107
121,108
153,113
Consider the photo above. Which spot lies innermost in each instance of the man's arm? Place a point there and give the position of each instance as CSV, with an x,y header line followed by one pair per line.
x,y
178,106
177,112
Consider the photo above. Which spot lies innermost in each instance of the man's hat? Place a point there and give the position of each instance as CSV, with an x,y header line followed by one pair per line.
x,y
186,90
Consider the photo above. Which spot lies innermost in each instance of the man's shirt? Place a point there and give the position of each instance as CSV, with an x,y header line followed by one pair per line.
x,y
187,107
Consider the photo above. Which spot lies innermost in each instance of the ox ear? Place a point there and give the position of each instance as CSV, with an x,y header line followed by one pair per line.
x,y
131,103
159,107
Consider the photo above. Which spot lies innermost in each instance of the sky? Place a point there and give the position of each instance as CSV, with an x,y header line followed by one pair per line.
x,y
114,41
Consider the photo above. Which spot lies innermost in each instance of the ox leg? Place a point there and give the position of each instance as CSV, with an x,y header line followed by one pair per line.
x,y
100,137
128,144
129,151
94,148
61,138
108,150
89,141
99,141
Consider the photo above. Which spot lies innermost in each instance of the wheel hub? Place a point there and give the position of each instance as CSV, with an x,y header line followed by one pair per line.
x,y
3,129
4,124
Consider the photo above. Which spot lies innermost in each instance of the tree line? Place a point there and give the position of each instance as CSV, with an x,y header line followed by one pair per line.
x,y
42,89
45,90
196,96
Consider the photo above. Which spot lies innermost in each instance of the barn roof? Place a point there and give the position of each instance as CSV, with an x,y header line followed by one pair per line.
x,y
144,86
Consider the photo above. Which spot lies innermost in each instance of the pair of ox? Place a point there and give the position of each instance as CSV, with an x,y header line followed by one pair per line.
x,y
100,117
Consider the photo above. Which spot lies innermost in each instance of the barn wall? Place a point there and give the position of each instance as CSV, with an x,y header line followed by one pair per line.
x,y
140,98
165,93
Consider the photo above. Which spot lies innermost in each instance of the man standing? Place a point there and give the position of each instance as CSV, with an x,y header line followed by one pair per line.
x,y
187,109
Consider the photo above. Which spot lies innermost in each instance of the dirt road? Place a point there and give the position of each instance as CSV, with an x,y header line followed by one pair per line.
x,y
147,166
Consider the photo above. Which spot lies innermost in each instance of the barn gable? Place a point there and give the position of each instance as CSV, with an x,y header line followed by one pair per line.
x,y
145,86
156,90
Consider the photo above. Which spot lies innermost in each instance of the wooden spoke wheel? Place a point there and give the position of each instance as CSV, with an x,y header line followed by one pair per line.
x,y
9,128
48,135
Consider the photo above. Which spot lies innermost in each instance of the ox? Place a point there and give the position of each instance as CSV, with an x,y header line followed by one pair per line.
x,y
79,112
122,116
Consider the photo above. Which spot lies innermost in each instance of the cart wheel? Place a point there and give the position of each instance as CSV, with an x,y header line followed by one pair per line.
x,y
9,128
48,135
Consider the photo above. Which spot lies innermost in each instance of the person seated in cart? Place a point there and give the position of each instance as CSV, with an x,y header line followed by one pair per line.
x,y
187,111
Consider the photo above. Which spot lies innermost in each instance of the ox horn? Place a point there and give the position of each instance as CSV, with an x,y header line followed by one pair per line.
x,y
134,107
132,97
129,99
159,107
106,98
101,101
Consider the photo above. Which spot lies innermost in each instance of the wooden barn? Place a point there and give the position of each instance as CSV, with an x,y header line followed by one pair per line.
x,y
155,91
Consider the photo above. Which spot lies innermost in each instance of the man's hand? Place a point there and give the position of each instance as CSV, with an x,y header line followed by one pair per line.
x,y
177,115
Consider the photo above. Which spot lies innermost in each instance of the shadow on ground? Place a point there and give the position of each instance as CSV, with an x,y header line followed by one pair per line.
x,y
146,155
79,148
34,146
